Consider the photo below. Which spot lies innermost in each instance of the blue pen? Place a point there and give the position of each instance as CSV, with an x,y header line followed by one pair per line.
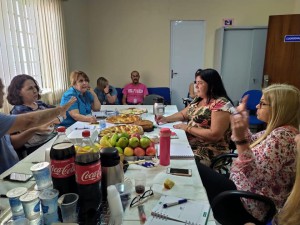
x,y
166,205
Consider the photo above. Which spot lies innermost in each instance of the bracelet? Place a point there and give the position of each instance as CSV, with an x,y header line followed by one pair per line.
x,y
60,118
241,142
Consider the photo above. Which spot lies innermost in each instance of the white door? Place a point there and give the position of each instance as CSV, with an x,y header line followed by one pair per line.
x,y
187,56
239,57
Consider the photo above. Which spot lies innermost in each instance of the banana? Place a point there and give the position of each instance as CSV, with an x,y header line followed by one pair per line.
x,y
104,141
113,139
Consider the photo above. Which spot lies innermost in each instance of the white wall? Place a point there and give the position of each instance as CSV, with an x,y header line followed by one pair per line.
x,y
113,37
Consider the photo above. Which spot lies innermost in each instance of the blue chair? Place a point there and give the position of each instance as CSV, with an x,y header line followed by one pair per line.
x,y
120,94
162,91
254,97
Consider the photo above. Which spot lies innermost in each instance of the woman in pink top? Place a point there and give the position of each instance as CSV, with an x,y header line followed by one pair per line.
x,y
266,162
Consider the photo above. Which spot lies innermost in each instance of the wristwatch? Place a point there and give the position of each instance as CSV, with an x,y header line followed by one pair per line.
x,y
60,118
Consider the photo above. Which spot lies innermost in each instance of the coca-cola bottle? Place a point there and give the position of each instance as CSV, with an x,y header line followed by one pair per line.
x,y
62,157
88,178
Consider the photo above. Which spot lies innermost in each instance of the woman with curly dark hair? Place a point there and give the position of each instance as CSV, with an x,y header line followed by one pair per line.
x,y
24,94
208,117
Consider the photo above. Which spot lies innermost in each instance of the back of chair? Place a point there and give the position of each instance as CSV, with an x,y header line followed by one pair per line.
x,y
162,91
227,196
149,99
120,94
253,98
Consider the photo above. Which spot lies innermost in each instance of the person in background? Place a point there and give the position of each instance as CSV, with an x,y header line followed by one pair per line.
x,y
135,92
24,94
193,86
106,93
87,100
289,214
208,118
14,123
266,162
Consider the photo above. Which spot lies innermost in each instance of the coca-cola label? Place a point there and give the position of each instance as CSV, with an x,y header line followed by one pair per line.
x,y
62,168
88,174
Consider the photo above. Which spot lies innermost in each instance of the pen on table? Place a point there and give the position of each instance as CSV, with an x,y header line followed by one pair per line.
x,y
166,205
81,128
142,214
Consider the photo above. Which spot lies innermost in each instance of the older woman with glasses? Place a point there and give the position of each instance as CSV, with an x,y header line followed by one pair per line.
x,y
266,162
87,100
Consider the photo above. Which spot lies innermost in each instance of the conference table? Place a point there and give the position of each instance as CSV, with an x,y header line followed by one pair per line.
x,y
185,187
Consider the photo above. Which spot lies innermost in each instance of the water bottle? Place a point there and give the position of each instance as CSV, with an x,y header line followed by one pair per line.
x,y
102,124
164,146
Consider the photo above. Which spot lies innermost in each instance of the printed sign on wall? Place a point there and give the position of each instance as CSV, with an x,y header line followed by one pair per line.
x,y
227,22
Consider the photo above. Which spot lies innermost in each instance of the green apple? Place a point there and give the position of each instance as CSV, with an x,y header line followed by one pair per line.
x,y
145,142
120,150
122,142
134,142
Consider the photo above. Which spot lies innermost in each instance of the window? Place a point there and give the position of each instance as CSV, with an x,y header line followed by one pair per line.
x,y
32,42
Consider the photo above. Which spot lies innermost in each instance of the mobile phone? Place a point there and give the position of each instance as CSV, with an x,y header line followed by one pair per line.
x,y
20,177
179,171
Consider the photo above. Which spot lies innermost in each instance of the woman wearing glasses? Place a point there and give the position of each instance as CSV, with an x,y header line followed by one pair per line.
x,y
266,162
208,117
87,100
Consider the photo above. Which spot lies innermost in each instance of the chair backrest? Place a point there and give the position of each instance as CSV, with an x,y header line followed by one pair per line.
x,y
120,94
163,92
253,98
226,197
149,99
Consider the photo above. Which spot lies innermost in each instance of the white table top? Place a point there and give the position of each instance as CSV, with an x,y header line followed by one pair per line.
x,y
185,187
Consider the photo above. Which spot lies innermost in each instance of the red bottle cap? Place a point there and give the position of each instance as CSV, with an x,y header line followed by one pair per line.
x,y
61,129
165,130
86,133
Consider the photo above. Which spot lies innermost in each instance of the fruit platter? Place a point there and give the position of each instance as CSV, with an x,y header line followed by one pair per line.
x,y
133,147
133,111
123,119
128,128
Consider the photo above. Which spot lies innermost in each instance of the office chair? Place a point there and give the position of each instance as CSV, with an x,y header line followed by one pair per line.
x,y
253,99
222,199
163,92
120,94
150,99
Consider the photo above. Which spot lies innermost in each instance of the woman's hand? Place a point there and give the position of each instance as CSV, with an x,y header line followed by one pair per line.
x,y
45,128
64,108
92,119
243,104
181,126
160,119
239,126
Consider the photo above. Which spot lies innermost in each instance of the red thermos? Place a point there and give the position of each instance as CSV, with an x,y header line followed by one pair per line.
x,y
164,146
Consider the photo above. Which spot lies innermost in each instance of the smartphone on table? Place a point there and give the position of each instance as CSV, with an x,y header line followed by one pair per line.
x,y
179,171
20,177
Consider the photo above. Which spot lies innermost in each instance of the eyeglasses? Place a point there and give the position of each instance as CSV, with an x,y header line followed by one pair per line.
x,y
141,198
262,104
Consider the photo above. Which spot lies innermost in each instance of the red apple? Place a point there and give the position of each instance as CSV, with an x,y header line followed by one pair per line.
x,y
150,151
138,151
136,135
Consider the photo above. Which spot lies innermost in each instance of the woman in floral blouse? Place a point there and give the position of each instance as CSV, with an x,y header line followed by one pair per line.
x,y
266,161
208,116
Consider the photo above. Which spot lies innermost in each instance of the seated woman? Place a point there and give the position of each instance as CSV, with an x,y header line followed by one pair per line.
x,y
208,116
23,93
87,100
106,93
193,86
266,161
289,214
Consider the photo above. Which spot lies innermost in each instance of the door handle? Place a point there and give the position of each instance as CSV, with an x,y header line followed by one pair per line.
x,y
172,74
266,81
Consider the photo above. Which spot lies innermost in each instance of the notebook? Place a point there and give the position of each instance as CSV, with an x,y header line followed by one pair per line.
x,y
191,212
180,150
